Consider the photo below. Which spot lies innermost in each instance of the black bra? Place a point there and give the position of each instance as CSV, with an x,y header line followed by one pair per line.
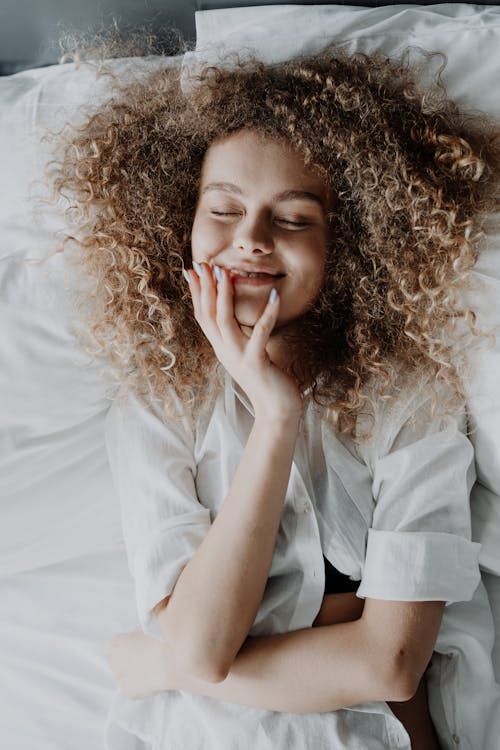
x,y
336,582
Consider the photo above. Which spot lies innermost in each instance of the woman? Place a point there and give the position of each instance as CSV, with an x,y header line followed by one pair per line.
x,y
306,418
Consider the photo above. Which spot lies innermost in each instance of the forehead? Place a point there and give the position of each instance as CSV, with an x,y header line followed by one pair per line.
x,y
257,160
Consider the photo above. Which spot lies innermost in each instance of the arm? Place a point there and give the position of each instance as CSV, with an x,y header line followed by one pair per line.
x,y
217,596
382,655
143,665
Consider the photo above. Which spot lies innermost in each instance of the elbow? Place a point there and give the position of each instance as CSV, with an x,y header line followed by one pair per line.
x,y
208,672
398,677
198,662
192,658
405,687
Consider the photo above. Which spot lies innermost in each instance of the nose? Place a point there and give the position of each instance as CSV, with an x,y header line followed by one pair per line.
x,y
253,233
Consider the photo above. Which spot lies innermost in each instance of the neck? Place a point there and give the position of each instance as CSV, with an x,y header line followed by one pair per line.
x,y
278,352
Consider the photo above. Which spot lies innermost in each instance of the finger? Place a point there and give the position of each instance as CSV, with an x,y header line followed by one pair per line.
x,y
264,326
196,287
208,292
226,322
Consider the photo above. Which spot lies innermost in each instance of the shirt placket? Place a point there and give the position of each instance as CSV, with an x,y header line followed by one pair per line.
x,y
309,552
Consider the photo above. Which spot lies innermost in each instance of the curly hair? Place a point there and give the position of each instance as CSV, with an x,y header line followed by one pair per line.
x,y
412,174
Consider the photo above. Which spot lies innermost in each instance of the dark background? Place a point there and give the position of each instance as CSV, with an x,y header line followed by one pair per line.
x,y
30,29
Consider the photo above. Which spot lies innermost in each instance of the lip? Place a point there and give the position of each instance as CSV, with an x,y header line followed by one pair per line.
x,y
255,282
253,269
273,276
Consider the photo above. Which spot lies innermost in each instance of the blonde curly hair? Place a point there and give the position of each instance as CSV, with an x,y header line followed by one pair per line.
x,y
412,175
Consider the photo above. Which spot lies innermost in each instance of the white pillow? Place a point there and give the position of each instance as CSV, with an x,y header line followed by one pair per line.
x,y
30,102
469,35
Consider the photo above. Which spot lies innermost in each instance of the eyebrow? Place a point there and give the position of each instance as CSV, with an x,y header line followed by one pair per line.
x,y
286,195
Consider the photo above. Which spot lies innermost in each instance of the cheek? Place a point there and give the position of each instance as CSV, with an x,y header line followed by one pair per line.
x,y
197,234
205,237
314,270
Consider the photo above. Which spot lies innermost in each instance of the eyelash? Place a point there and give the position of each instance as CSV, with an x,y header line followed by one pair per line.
x,y
284,221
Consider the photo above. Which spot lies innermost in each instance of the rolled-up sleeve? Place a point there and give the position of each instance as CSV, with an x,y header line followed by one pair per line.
x,y
419,545
153,469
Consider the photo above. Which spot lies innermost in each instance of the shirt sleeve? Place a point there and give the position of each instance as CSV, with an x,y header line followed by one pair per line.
x,y
153,468
419,545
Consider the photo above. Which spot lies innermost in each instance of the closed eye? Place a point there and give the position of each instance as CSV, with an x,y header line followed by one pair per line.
x,y
294,223
289,222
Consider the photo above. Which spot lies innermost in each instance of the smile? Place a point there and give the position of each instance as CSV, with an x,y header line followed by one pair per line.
x,y
257,280
250,275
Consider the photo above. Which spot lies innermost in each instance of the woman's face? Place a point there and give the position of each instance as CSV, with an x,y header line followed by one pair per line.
x,y
260,208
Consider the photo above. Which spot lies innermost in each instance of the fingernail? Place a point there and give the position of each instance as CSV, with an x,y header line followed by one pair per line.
x,y
197,268
186,276
273,296
218,273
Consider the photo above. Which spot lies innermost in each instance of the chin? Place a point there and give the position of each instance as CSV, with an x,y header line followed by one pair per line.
x,y
245,326
246,317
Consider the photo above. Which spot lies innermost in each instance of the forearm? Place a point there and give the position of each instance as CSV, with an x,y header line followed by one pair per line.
x,y
305,671
217,595
143,665
336,665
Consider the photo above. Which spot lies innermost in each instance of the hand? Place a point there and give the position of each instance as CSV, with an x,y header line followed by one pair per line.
x,y
272,393
139,664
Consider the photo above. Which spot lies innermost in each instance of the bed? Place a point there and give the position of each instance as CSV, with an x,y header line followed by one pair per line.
x,y
64,582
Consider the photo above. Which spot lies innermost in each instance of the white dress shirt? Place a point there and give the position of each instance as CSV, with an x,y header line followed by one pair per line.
x,y
392,512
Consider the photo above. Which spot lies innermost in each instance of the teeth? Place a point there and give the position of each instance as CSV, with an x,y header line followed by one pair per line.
x,y
249,275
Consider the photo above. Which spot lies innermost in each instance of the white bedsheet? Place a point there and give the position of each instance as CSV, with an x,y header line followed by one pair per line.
x,y
64,583
55,686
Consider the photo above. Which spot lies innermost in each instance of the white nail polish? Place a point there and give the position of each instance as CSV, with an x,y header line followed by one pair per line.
x,y
197,268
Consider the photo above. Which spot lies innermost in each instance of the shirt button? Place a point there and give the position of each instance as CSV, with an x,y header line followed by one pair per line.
x,y
306,507
456,739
